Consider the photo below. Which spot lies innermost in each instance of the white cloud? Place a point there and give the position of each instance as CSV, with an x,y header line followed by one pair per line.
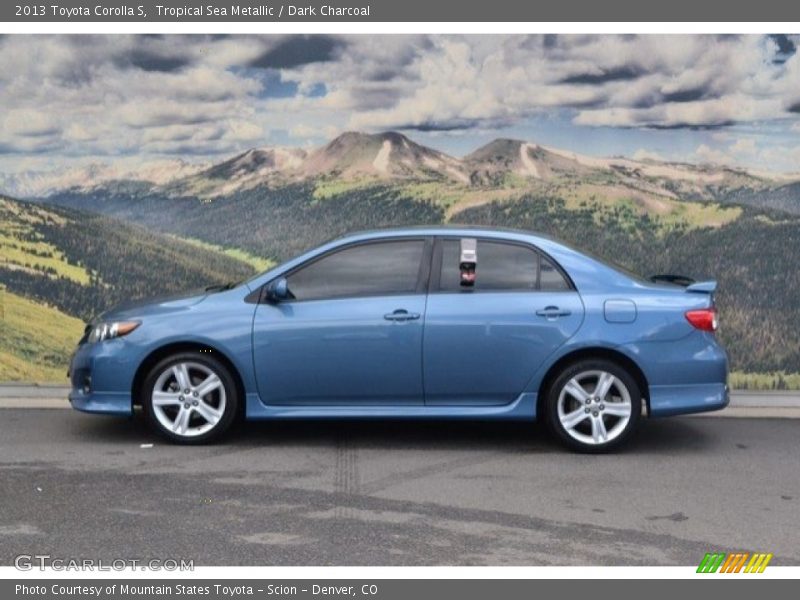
x,y
643,154
706,154
758,152
617,81
785,154
306,131
129,95
744,146
29,122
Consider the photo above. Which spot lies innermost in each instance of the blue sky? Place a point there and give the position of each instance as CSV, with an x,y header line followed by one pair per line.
x,y
75,100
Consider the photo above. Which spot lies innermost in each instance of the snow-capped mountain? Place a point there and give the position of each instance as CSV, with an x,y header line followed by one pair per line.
x,y
392,157
384,155
492,163
29,184
249,169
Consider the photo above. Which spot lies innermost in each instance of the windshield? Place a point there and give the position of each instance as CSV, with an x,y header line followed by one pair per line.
x,y
624,270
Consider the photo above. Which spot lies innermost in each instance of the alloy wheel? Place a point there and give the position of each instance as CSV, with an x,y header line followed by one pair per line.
x,y
188,399
594,407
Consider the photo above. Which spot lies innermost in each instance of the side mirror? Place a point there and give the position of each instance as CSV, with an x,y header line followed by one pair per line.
x,y
278,290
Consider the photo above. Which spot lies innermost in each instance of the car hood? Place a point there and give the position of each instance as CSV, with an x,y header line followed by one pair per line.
x,y
154,306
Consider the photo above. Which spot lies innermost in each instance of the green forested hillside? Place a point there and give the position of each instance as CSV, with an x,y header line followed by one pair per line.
x,y
61,267
275,223
83,263
783,197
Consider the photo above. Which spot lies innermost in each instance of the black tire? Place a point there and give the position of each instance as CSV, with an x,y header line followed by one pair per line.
x,y
226,396
586,372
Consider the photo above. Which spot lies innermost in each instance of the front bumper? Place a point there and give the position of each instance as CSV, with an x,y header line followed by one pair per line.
x,y
108,403
101,379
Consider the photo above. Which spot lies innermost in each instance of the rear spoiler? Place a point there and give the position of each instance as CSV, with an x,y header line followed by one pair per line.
x,y
681,280
703,287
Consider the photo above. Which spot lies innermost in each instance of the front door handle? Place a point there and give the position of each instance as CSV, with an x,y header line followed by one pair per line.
x,y
553,312
401,314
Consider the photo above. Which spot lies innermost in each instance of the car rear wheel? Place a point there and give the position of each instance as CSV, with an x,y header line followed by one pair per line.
x,y
594,406
190,398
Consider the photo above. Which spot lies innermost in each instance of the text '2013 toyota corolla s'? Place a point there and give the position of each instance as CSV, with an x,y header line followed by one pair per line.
x,y
415,323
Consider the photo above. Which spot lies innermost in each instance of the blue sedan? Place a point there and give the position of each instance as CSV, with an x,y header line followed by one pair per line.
x,y
432,323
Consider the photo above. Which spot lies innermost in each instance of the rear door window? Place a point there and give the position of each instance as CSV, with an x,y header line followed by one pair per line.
x,y
501,266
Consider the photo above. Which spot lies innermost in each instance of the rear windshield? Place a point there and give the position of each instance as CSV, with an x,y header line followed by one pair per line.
x,y
627,272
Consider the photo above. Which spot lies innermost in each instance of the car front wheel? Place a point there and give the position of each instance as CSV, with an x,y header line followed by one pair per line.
x,y
594,406
190,398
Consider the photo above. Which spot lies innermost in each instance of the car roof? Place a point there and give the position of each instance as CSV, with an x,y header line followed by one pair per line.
x,y
444,230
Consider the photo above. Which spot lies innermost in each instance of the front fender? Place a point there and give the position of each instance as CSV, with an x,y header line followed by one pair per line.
x,y
237,350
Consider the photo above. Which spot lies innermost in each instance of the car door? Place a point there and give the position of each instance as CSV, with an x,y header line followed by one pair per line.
x,y
484,341
351,334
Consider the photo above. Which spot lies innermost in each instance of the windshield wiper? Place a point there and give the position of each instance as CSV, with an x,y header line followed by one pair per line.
x,y
221,287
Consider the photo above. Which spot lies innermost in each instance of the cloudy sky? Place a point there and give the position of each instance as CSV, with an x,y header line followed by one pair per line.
x,y
69,100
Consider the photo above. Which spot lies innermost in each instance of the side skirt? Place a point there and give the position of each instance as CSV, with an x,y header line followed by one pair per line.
x,y
521,409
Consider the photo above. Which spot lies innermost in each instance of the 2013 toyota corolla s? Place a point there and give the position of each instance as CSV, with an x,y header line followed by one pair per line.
x,y
415,323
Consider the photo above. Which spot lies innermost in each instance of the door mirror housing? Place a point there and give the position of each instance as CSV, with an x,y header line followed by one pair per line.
x,y
277,291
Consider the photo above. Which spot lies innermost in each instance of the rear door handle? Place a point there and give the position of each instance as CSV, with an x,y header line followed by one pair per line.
x,y
401,314
553,312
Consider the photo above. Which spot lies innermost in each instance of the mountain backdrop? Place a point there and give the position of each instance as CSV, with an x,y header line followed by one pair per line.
x,y
84,239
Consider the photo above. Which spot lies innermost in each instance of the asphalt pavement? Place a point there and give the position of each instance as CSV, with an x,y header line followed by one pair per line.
x,y
404,493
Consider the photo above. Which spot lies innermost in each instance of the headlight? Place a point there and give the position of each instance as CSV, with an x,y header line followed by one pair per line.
x,y
111,330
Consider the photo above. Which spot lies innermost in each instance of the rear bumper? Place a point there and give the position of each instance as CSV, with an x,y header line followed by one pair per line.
x,y
685,376
668,400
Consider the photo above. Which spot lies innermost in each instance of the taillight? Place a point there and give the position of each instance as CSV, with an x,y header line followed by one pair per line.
x,y
704,319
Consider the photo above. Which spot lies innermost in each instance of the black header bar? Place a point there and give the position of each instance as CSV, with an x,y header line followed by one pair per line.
x,y
360,11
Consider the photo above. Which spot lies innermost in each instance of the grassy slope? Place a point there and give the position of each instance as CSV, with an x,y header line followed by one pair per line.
x,y
779,380
257,262
23,247
35,340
